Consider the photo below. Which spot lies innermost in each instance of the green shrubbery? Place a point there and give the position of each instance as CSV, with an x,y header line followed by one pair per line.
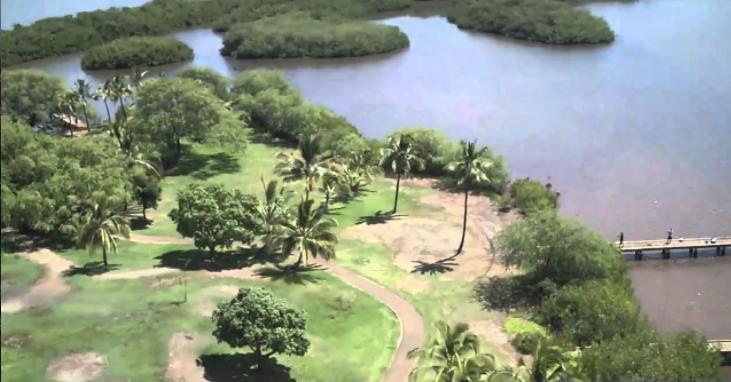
x,y
530,196
547,21
136,51
30,95
299,36
214,81
61,35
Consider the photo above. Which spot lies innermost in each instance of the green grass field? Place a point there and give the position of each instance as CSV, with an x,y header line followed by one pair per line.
x,y
17,274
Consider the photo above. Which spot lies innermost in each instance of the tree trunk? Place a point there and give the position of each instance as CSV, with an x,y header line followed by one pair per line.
x,y
144,211
104,255
464,222
86,119
395,199
109,115
303,255
124,110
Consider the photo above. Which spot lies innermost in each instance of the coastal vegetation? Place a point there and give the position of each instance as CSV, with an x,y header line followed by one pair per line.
x,y
546,21
131,52
290,36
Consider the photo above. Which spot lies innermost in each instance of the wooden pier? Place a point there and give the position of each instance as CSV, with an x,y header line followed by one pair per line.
x,y
665,246
724,346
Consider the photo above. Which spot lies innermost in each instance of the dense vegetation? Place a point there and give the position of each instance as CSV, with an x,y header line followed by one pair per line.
x,y
60,35
298,36
29,95
136,51
546,21
216,82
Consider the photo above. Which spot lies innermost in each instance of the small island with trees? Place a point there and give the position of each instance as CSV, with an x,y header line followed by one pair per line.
x,y
291,36
546,21
132,52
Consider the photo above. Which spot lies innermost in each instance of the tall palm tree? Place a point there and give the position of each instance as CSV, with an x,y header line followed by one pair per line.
x,y
83,93
308,164
67,107
399,157
105,92
120,90
137,76
100,230
471,169
453,355
272,210
309,233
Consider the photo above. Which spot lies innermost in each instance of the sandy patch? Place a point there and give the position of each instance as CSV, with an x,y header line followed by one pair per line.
x,y
492,331
136,274
49,287
183,362
202,303
78,367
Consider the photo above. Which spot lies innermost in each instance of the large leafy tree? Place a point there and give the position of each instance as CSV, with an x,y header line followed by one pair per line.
x,y
216,217
470,169
453,355
399,157
266,324
100,231
308,163
648,356
169,110
147,190
308,233
213,80
559,251
30,96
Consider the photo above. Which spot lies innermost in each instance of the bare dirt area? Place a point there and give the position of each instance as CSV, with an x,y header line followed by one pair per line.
x,y
136,274
492,330
202,303
146,239
77,367
48,288
183,362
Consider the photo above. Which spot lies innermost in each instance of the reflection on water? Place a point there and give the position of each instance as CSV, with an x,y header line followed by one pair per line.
x,y
636,135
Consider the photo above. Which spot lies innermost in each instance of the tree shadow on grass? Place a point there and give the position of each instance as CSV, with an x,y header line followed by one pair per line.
x,y
291,275
380,217
14,241
197,260
239,368
203,166
432,268
139,223
93,268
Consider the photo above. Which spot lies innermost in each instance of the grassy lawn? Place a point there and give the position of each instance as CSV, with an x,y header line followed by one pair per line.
x,y
129,255
17,274
130,323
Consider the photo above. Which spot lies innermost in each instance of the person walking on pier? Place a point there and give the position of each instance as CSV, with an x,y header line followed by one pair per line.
x,y
621,239
670,235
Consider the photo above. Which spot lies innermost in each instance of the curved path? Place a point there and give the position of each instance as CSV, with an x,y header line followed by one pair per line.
x,y
412,326
53,285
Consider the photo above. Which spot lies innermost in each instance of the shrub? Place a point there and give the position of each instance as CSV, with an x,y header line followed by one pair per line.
x,y
530,196
525,343
136,51
517,325
547,21
433,147
298,36
213,80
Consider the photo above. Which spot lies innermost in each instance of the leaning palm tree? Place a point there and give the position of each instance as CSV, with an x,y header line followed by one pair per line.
x,y
399,157
308,164
470,170
272,210
453,355
101,229
105,92
309,233
120,90
83,94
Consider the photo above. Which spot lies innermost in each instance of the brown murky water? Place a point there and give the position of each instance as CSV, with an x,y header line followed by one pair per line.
x,y
636,135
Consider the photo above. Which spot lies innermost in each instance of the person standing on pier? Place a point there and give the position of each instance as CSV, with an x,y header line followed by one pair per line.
x,y
621,239
670,235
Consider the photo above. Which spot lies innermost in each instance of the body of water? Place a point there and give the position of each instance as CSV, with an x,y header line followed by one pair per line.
x,y
636,135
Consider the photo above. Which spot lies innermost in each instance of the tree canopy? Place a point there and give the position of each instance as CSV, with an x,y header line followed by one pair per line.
x,y
30,95
216,217
546,21
530,196
130,52
296,35
265,323
216,82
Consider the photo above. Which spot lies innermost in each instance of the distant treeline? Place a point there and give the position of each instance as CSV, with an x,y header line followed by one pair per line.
x,y
62,35
546,21
136,51
299,36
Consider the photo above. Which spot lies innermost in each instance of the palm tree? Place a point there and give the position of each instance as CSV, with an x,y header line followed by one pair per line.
x,y
453,355
308,163
83,93
105,92
329,186
551,363
309,233
469,170
67,107
120,90
100,230
399,157
137,76
272,210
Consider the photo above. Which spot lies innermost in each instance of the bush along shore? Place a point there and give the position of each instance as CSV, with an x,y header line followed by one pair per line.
x,y
545,21
300,36
136,51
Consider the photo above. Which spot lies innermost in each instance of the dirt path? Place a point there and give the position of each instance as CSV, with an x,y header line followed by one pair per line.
x,y
183,364
412,326
136,274
49,287
147,239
